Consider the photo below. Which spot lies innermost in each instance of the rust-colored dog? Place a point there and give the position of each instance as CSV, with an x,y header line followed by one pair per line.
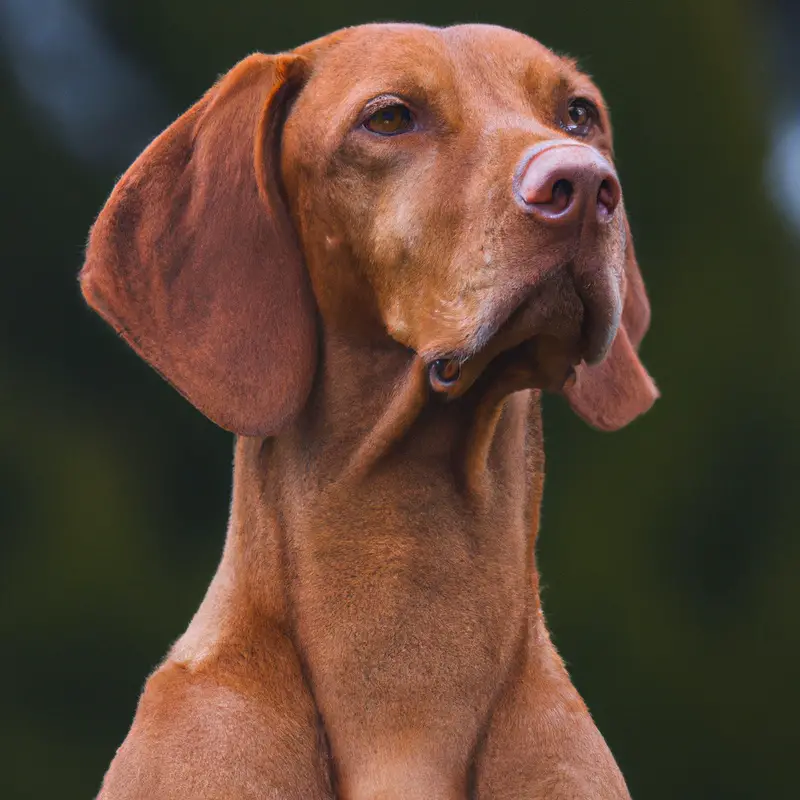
x,y
367,257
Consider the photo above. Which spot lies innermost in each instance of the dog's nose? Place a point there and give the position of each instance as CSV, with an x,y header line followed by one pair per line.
x,y
563,182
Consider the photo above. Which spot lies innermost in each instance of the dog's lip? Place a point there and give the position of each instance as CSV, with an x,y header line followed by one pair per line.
x,y
485,335
528,315
506,346
528,356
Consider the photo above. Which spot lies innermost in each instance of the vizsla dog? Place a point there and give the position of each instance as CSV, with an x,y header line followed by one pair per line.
x,y
367,257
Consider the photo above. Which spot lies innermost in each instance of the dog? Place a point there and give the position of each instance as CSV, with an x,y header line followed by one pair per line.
x,y
367,258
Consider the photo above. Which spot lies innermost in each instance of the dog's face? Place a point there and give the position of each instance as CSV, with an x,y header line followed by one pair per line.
x,y
459,185
451,189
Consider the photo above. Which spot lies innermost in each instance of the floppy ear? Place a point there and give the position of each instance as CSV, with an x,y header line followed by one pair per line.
x,y
614,392
194,260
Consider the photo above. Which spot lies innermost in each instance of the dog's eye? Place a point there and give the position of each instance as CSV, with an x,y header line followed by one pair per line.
x,y
390,120
582,116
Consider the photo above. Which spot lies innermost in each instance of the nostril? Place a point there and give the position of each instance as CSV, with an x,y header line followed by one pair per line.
x,y
550,197
607,198
562,194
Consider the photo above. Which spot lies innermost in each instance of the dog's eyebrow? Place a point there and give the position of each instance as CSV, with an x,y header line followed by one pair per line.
x,y
403,86
575,80
550,80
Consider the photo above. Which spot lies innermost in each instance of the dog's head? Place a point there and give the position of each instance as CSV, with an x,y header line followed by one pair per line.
x,y
451,189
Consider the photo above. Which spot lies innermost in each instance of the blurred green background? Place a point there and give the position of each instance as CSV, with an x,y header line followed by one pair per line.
x,y
670,551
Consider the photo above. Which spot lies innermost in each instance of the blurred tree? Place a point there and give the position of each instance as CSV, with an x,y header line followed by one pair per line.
x,y
669,551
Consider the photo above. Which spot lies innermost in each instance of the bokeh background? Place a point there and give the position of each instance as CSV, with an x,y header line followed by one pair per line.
x,y
670,551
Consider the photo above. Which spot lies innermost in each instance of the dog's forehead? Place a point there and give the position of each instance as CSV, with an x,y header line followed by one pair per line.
x,y
492,47
484,58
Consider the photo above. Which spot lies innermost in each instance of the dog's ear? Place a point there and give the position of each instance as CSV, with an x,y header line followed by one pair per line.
x,y
194,260
614,392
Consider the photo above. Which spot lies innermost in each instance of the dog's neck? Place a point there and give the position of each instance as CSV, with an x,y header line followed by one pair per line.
x,y
376,447
372,411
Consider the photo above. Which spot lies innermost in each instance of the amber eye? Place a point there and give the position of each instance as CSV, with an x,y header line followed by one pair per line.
x,y
582,115
390,120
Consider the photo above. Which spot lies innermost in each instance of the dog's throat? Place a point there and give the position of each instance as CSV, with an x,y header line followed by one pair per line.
x,y
467,424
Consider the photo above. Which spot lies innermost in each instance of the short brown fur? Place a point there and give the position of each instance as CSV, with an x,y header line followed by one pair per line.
x,y
374,629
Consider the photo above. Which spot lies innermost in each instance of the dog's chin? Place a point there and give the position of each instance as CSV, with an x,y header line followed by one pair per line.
x,y
536,338
538,345
539,362
533,348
